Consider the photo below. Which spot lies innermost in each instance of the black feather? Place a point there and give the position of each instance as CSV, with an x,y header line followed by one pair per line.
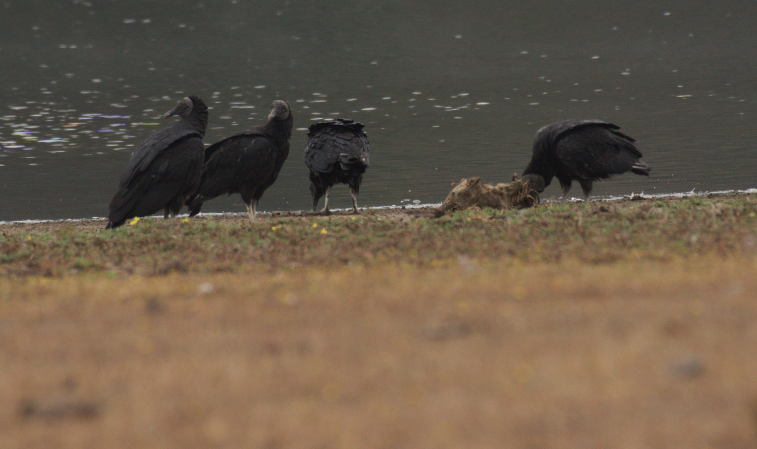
x,y
583,151
165,168
247,162
337,152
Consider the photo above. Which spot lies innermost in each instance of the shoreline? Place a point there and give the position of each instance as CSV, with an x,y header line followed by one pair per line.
x,y
391,208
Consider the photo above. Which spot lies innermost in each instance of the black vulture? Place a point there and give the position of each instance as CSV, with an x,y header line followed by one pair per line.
x,y
581,150
164,170
337,152
247,162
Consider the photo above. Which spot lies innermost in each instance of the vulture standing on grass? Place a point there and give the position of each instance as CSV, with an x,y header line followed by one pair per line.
x,y
336,152
164,170
583,151
247,162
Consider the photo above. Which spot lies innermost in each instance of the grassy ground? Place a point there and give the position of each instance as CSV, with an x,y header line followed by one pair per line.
x,y
624,324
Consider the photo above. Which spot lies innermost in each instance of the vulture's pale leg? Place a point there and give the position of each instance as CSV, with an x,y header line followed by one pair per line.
x,y
326,201
586,186
252,210
354,200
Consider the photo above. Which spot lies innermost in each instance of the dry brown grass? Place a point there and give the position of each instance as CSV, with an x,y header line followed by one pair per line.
x,y
653,346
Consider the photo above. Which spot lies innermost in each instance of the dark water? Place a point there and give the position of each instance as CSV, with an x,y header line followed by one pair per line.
x,y
446,89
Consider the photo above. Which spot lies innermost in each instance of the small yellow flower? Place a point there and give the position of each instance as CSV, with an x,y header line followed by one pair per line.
x,y
751,214
134,221
29,239
324,231
275,228
185,220
315,225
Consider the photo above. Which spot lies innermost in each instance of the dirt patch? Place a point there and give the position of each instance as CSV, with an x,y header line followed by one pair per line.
x,y
478,355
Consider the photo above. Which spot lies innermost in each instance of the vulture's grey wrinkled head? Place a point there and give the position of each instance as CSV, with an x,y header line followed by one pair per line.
x,y
183,108
535,181
279,110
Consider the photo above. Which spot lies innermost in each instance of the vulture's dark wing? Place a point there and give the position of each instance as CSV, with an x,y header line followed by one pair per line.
x,y
150,148
209,151
595,150
247,157
157,178
332,143
548,136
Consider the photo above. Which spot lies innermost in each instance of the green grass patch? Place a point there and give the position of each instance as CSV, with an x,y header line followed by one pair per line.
x,y
600,232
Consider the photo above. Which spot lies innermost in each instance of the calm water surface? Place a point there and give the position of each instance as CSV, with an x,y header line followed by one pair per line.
x,y
452,90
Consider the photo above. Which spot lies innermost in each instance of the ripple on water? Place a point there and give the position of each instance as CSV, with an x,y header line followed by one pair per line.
x,y
54,140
